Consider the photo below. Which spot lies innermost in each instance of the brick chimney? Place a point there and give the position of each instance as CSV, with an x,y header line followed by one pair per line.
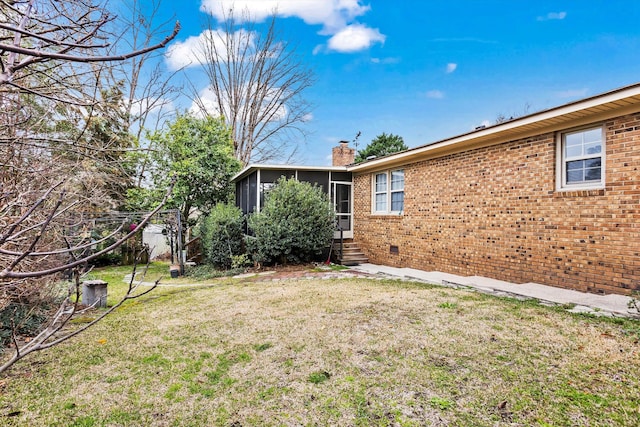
x,y
343,154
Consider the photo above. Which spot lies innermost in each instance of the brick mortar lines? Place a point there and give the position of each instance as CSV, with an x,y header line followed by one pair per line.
x,y
494,212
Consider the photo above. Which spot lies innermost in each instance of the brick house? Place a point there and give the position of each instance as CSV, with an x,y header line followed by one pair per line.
x,y
552,198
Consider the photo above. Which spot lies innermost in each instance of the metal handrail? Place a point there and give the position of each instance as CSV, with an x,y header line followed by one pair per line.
x,y
341,241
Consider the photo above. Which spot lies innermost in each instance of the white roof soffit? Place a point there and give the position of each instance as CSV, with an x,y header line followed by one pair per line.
x,y
618,102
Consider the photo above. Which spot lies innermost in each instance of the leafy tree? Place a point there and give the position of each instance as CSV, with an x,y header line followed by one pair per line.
x,y
221,232
381,145
199,153
295,225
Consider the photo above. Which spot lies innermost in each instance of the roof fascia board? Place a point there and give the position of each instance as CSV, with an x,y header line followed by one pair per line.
x,y
250,168
500,133
444,150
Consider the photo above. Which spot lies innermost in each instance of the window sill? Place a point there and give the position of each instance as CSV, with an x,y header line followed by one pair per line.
x,y
579,192
388,214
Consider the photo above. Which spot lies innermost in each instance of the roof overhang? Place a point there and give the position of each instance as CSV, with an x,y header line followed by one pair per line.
x,y
257,166
618,102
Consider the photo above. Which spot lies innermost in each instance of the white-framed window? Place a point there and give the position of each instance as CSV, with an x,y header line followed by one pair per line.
x,y
380,192
388,191
581,158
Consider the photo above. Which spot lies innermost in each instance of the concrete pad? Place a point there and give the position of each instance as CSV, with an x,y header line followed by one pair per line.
x,y
244,275
266,273
597,304
434,276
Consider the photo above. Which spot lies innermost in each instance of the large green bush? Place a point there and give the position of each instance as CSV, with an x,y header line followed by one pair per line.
x,y
221,235
295,225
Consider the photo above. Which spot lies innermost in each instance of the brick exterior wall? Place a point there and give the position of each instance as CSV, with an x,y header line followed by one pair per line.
x,y
495,212
343,155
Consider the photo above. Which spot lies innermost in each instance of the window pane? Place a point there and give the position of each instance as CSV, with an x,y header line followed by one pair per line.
x,y
584,170
381,182
593,174
381,202
593,163
578,164
397,180
573,151
593,148
593,135
575,175
573,139
583,156
582,143
397,201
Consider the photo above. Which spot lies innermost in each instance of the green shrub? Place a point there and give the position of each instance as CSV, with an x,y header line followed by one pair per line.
x,y
221,234
295,225
240,261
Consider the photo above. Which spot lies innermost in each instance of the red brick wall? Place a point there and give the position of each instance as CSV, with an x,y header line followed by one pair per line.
x,y
343,155
495,212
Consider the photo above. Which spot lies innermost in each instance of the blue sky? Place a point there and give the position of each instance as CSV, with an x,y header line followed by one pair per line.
x,y
428,70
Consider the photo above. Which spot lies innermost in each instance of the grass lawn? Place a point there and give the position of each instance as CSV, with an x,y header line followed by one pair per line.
x,y
331,352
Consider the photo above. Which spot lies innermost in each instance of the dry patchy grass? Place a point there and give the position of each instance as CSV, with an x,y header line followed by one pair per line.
x,y
332,352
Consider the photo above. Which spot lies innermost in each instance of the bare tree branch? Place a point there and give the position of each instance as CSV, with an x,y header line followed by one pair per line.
x,y
256,83
62,317
74,58
49,40
65,139
8,272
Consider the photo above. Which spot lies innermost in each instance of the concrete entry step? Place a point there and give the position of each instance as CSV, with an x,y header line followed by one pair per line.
x,y
349,253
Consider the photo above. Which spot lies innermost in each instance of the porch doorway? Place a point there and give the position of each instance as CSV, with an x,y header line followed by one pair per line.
x,y
341,196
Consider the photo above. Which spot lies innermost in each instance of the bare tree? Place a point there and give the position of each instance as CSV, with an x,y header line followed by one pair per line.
x,y
54,55
19,241
58,33
58,60
256,84
148,89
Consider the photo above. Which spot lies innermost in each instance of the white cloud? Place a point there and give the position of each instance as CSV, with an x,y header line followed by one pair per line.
x,y
486,123
389,60
451,67
207,104
307,117
435,94
572,93
318,49
336,17
332,14
552,16
183,54
355,37
190,52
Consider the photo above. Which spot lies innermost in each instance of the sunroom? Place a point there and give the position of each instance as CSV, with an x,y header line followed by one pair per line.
x,y
254,182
